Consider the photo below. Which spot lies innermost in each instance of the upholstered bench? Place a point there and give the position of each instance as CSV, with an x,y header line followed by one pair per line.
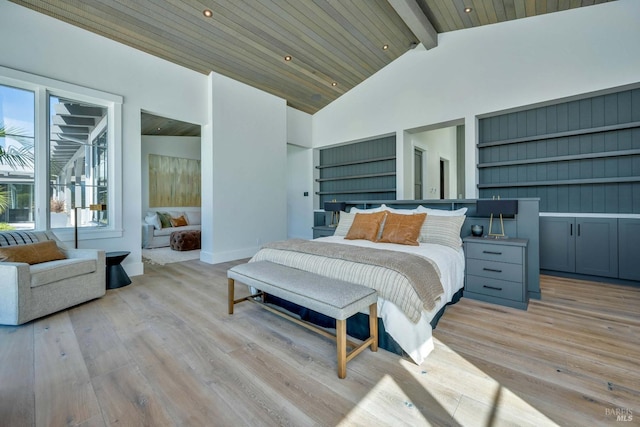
x,y
334,298
185,240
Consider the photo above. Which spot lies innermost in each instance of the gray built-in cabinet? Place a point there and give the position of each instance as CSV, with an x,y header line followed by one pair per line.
x,y
581,158
579,245
629,249
605,247
363,170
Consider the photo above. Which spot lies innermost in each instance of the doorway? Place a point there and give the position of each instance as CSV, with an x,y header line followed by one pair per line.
x,y
444,178
418,174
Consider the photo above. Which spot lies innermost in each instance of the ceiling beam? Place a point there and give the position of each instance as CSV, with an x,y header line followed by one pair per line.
x,y
417,21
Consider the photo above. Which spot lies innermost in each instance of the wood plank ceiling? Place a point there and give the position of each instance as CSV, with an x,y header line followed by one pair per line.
x,y
334,44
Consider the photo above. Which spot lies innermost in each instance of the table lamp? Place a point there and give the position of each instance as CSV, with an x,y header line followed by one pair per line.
x,y
335,208
491,207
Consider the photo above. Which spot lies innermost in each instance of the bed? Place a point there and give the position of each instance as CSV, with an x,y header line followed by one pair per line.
x,y
405,323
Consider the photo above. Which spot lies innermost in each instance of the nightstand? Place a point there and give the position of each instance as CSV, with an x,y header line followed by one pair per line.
x,y
323,231
496,271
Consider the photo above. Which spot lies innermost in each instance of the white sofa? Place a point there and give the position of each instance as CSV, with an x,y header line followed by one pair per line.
x,y
28,292
155,236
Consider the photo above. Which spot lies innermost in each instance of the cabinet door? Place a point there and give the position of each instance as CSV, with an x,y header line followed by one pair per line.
x,y
557,244
597,246
629,248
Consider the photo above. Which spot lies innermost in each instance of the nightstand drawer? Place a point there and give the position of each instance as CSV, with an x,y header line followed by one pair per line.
x,y
495,270
493,252
495,288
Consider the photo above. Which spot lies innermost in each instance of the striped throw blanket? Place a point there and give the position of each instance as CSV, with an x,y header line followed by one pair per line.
x,y
409,281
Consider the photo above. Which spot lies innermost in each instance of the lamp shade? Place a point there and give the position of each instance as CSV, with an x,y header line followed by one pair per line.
x,y
98,207
502,207
334,206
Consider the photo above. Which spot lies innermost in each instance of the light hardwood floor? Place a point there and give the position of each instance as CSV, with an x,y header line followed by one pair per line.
x,y
164,352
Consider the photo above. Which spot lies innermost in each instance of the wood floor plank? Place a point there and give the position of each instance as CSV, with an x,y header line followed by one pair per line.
x,y
187,400
127,399
16,375
64,393
164,351
101,347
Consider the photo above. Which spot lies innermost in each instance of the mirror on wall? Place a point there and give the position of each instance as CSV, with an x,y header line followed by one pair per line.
x,y
437,166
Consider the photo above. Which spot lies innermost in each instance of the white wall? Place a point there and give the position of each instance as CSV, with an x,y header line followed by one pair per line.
x,y
299,128
185,147
487,69
244,160
299,182
299,175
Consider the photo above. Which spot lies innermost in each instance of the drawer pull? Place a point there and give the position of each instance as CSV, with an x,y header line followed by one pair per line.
x,y
495,288
492,253
493,270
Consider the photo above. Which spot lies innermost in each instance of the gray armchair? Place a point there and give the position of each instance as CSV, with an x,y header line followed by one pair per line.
x,y
29,291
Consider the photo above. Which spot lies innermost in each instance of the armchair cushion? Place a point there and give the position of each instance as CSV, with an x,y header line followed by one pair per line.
x,y
33,253
48,272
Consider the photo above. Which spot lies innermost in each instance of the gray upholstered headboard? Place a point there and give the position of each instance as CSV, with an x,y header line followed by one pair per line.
x,y
525,225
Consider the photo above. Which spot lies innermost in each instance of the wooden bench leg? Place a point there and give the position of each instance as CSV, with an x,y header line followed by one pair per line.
x,y
373,326
341,344
230,295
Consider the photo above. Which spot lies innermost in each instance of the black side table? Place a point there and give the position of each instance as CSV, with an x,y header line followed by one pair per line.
x,y
116,276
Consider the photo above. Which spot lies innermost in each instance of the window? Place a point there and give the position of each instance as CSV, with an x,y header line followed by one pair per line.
x,y
16,157
59,145
77,162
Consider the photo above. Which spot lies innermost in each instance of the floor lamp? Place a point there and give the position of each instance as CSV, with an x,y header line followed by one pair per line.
x,y
96,207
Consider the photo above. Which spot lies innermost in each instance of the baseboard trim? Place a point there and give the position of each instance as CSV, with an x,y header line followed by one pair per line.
x,y
600,279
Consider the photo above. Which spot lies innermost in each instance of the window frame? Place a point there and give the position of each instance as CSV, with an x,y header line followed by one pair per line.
x,y
42,88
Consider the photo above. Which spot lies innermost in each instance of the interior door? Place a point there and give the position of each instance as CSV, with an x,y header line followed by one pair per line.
x,y
417,178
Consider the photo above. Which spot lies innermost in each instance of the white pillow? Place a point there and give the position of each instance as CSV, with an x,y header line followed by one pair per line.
x,y
346,220
402,211
355,210
441,212
152,219
442,230
194,218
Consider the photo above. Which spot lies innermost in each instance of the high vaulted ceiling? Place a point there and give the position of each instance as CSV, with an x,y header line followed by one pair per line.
x,y
334,44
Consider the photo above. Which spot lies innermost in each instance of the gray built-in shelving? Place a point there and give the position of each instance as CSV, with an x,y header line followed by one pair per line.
x,y
363,170
580,156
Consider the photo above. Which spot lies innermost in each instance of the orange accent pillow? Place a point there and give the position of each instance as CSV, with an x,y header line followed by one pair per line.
x,y
32,253
179,221
402,229
366,226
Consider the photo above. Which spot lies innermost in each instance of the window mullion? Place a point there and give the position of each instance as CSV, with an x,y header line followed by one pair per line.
x,y
41,166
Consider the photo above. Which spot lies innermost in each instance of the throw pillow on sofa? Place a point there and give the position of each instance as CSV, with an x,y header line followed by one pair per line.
x,y
165,219
153,219
32,253
179,221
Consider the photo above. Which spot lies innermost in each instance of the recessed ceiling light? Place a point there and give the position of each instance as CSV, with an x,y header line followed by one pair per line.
x,y
334,83
288,58
467,10
385,46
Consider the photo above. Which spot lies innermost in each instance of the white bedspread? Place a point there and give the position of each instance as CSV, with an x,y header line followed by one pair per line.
x,y
416,339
